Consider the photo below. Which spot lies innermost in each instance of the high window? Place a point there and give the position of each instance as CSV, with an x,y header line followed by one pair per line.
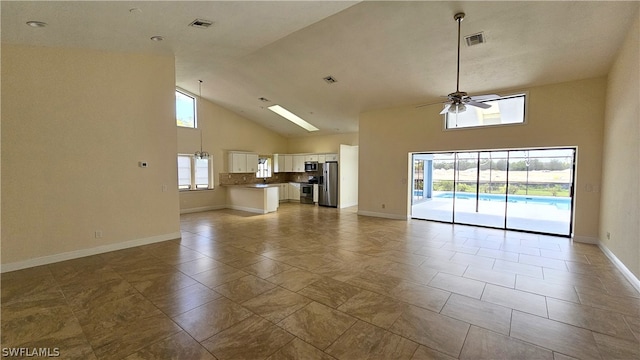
x,y
185,110
194,174
503,111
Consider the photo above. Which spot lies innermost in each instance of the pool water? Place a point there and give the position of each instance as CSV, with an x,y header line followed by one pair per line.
x,y
562,203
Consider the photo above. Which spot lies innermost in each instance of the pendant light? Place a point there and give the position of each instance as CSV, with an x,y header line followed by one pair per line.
x,y
200,154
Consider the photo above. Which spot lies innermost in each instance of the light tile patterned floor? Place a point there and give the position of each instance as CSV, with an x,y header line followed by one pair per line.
x,y
321,283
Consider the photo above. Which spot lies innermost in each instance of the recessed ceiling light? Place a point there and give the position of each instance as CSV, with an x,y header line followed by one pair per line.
x,y
292,117
157,38
36,24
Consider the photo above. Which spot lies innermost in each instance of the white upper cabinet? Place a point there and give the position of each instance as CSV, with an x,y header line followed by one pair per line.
x,y
298,163
252,163
295,162
331,157
242,162
288,163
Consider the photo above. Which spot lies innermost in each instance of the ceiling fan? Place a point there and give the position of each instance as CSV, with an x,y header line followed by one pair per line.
x,y
457,101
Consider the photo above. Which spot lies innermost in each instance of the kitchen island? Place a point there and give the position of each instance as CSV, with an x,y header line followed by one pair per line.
x,y
255,198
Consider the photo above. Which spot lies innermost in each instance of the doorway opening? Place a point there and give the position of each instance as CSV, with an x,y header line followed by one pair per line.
x,y
525,189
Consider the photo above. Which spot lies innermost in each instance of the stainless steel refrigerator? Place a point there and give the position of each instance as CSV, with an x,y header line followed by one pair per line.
x,y
328,184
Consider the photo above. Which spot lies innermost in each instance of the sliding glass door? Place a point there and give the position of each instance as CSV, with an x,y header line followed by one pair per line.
x,y
529,190
540,190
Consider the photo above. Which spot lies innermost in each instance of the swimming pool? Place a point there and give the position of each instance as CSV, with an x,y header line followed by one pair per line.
x,y
563,203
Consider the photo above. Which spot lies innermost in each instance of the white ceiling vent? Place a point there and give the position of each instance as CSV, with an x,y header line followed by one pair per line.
x,y
201,23
330,79
475,39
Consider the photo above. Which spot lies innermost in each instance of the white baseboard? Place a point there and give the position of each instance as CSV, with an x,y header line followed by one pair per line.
x,y
586,239
247,209
201,209
623,269
50,259
382,215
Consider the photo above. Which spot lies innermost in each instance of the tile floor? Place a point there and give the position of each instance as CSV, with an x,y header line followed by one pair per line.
x,y
320,283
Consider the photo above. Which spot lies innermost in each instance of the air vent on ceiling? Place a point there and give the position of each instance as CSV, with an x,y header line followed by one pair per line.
x,y
330,79
475,39
201,23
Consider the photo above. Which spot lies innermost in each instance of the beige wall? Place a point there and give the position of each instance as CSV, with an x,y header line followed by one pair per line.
x,y
321,143
75,125
222,131
621,156
566,114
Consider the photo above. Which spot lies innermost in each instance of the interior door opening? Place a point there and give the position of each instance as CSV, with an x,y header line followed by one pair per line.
x,y
526,189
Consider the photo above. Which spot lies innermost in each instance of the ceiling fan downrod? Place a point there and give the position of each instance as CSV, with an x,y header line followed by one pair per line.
x,y
458,17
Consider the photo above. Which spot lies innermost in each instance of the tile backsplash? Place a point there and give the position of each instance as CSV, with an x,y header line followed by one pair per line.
x,y
250,178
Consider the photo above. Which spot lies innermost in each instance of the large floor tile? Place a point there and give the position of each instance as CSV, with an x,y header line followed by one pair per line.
x,y
484,344
294,279
276,304
317,324
177,346
431,329
298,349
365,341
459,285
516,299
374,308
601,321
211,318
185,299
481,313
252,338
244,288
330,292
554,335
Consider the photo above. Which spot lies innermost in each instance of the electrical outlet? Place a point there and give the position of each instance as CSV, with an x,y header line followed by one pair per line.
x,y
608,235
98,234
384,206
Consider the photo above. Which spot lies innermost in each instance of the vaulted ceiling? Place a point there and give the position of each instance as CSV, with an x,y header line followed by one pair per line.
x,y
382,54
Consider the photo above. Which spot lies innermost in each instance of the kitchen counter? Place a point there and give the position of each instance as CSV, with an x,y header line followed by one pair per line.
x,y
255,198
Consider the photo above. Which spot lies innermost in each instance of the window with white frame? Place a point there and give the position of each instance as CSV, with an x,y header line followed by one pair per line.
x,y
503,111
194,174
185,110
264,167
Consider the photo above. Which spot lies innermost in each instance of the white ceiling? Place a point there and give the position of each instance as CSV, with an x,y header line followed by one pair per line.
x,y
383,54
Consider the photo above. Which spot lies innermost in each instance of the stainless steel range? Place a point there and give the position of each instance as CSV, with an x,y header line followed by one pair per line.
x,y
306,193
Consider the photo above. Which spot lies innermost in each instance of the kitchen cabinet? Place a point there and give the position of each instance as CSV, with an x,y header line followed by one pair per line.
x,y
283,190
298,163
282,163
331,157
242,162
255,198
315,193
288,163
311,157
294,191
321,158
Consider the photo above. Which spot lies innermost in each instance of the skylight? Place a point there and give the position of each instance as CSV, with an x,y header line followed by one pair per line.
x,y
292,117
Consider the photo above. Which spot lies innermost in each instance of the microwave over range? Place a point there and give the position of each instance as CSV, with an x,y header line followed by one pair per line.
x,y
310,166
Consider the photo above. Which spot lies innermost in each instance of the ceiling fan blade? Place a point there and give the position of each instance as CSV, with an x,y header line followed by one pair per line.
x,y
484,97
477,104
446,108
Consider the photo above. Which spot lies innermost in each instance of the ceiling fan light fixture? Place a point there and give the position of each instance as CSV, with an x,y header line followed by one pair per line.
x,y
457,108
